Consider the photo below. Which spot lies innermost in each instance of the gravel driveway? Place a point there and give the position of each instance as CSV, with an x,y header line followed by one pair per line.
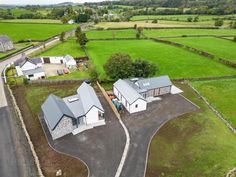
x,y
100,148
142,126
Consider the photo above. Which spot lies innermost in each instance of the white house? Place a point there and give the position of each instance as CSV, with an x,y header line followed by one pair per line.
x,y
73,114
31,69
5,43
134,94
70,62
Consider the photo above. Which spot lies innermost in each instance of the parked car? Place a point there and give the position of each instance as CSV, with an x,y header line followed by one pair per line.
x,y
60,72
66,71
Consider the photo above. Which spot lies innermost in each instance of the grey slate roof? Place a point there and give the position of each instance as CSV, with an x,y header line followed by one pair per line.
x,y
54,108
4,39
154,82
36,60
76,106
33,71
88,97
68,58
127,91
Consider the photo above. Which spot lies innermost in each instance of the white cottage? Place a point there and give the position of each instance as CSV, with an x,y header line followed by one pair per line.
x,y
73,114
70,62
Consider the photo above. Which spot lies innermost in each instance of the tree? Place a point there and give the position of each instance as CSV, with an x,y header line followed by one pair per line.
x,y
196,19
93,73
82,18
135,26
81,37
234,25
62,36
219,22
190,19
64,19
155,21
234,38
119,65
139,32
143,68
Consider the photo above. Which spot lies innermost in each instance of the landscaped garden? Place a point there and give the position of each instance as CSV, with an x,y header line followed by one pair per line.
x,y
196,144
173,61
221,48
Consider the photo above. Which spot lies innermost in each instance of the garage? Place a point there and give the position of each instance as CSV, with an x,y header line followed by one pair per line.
x,y
46,60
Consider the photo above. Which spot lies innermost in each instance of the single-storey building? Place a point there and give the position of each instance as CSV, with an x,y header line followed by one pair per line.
x,y
70,62
73,114
5,44
135,93
31,69
67,60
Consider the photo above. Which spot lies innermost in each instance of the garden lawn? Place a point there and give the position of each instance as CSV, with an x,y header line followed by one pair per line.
x,y
181,32
18,31
221,48
70,47
111,34
196,144
221,94
174,61
72,75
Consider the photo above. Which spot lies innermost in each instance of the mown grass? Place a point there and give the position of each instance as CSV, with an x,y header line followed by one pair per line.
x,y
95,34
181,32
219,47
70,47
221,94
31,21
17,31
173,61
196,144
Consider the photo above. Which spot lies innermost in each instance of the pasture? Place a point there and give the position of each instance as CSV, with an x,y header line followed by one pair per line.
x,y
221,48
95,34
70,47
175,62
186,32
31,21
221,94
196,144
17,31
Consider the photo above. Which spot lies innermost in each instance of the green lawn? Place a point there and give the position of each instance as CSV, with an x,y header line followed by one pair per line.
x,y
175,62
221,94
218,47
31,21
26,31
111,34
177,17
181,32
68,47
196,144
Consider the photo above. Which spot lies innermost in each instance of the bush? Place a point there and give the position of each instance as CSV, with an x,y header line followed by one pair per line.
x,y
219,22
234,39
155,21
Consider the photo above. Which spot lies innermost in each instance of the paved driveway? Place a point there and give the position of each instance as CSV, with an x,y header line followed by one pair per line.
x,y
142,126
100,148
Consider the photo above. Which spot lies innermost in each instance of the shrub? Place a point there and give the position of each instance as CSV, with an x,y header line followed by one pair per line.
x,y
219,22
155,21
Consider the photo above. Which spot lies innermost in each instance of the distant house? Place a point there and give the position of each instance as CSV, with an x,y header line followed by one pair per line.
x,y
73,114
31,69
71,21
135,93
5,43
70,62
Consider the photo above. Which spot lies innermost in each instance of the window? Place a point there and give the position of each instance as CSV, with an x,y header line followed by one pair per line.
x,y
31,75
136,106
100,116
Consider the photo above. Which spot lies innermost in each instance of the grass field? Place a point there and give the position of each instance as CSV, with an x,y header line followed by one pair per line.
x,y
181,32
178,17
175,62
219,47
32,31
68,47
221,94
31,21
94,34
196,144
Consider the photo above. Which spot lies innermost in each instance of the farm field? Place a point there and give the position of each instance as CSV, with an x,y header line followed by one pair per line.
x,y
178,17
181,64
221,94
181,32
31,21
26,31
196,144
68,47
219,47
94,34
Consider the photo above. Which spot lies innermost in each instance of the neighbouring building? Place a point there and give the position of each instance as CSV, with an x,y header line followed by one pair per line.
x,y
135,93
73,114
5,44
30,68
67,60
70,62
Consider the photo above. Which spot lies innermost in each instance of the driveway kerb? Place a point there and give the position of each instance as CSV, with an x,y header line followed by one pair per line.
x,y
63,153
145,168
